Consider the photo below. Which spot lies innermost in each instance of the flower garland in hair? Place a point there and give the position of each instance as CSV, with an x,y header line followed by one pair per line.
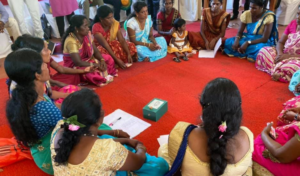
x,y
74,125
222,128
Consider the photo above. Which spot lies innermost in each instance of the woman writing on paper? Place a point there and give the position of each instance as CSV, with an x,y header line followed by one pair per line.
x,y
78,148
214,22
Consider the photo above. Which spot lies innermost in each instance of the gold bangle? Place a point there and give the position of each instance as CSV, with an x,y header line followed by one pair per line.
x,y
148,44
114,132
132,36
238,37
118,133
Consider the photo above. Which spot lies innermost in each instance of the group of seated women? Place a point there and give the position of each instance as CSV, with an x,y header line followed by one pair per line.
x,y
62,123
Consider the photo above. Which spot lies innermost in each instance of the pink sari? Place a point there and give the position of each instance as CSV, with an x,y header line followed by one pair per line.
x,y
285,69
86,53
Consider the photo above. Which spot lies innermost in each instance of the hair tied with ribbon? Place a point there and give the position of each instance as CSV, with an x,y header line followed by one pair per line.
x,y
222,128
74,125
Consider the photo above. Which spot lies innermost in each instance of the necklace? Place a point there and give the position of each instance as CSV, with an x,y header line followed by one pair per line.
x,y
181,35
41,97
93,135
141,27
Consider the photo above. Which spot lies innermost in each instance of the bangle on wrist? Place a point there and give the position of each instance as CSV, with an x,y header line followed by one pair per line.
x,y
148,44
91,64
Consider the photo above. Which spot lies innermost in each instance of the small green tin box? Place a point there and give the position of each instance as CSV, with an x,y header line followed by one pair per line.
x,y
155,109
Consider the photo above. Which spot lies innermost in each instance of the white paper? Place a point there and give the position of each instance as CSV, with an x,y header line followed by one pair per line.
x,y
155,104
210,53
163,139
128,123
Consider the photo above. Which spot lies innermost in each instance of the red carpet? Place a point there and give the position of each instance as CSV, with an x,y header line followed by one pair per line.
x,y
180,84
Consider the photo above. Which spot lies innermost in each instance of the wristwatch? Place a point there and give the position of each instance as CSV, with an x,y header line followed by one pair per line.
x,y
249,42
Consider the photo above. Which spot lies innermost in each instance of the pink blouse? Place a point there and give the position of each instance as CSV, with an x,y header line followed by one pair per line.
x,y
291,28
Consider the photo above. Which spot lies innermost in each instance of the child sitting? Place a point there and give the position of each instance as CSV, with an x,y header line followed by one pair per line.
x,y
179,43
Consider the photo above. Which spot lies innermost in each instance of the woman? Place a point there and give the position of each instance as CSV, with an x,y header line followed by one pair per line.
x,y
80,52
30,112
60,9
261,31
214,22
109,39
140,32
220,146
279,154
284,60
78,149
165,20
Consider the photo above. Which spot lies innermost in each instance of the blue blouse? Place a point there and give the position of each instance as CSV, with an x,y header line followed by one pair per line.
x,y
44,117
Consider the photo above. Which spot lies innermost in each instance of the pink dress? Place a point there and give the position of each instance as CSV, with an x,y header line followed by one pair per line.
x,y
63,7
265,60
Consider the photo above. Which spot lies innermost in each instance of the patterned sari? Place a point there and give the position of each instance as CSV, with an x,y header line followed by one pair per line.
x,y
86,52
166,22
286,68
111,38
254,31
143,36
212,28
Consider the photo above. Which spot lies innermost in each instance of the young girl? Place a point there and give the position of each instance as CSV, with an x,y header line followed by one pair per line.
x,y
179,43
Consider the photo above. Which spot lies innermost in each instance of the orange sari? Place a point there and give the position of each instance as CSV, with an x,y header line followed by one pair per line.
x,y
212,28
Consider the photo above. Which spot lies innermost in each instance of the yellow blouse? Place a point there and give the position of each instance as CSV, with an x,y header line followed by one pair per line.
x,y
192,165
71,45
247,18
104,159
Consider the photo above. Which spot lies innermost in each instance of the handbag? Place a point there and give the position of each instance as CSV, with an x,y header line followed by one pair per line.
x,y
46,27
175,169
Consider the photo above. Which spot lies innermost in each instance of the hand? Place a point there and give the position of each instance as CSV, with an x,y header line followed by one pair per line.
x,y
102,65
120,63
267,129
129,58
133,143
172,30
1,26
121,134
289,115
207,45
281,57
151,46
157,46
213,43
90,69
141,146
243,48
235,45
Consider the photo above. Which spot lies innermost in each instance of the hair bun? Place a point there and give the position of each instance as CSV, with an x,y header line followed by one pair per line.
x,y
18,43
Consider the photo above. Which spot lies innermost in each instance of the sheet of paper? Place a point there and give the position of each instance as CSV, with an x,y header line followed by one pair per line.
x,y
163,139
210,53
128,123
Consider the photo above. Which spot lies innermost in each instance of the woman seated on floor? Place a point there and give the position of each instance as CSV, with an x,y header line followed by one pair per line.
x,y
219,146
78,149
80,52
278,153
262,31
165,20
30,112
284,60
109,39
140,32
214,22
62,83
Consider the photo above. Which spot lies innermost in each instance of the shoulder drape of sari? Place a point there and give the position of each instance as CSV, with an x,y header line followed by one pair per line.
x,y
143,35
214,24
292,45
114,30
109,35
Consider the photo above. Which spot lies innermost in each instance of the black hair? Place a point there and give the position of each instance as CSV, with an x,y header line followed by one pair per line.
x,y
260,3
102,12
138,6
87,106
220,101
178,23
76,21
22,66
221,1
162,5
28,41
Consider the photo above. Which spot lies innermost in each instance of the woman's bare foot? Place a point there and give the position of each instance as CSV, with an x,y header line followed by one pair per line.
x,y
147,59
275,76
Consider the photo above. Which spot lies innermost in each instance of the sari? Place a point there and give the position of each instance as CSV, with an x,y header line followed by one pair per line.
x,y
268,164
111,157
254,31
283,69
143,36
111,38
166,23
86,52
212,28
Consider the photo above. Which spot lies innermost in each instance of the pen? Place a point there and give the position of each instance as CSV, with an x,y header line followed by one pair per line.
x,y
112,123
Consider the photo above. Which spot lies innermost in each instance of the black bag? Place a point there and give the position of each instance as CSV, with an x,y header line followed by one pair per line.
x,y
46,27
